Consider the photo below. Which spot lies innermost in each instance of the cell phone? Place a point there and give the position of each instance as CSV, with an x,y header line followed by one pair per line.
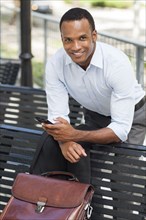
x,y
43,120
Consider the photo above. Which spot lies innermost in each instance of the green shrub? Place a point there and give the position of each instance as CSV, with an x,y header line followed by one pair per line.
x,y
104,3
68,1
112,3
7,52
38,73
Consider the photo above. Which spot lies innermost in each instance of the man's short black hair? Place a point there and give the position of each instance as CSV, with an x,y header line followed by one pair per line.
x,y
78,14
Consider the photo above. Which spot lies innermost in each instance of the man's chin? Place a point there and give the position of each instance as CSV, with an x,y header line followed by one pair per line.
x,y
78,61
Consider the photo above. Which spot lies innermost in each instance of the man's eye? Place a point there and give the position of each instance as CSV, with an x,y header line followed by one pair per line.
x,y
82,38
67,40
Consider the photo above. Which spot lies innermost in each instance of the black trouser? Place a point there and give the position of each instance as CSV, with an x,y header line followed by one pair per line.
x,y
49,157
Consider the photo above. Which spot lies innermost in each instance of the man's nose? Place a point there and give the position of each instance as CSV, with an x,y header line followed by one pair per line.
x,y
76,45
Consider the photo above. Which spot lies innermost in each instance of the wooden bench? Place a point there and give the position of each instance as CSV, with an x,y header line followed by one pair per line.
x,y
9,69
118,171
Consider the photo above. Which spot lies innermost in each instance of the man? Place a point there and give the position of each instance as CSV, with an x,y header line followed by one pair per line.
x,y
100,78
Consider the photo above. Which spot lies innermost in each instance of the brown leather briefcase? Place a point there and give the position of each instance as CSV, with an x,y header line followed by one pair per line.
x,y
48,198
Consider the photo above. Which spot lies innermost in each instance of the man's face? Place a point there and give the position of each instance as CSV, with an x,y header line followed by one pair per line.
x,y
79,41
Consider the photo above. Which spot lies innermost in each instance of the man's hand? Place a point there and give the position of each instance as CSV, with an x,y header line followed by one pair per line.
x,y
64,132
72,151
61,130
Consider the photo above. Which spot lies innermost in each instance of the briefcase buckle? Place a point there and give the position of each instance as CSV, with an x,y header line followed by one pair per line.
x,y
88,209
40,207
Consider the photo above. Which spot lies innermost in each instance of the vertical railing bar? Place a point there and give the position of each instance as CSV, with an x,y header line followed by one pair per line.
x,y
140,64
45,41
45,47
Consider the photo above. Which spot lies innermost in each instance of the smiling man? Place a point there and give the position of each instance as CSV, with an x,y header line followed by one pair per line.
x,y
100,77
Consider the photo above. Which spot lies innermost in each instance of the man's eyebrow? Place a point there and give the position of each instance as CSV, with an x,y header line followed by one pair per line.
x,y
66,37
81,35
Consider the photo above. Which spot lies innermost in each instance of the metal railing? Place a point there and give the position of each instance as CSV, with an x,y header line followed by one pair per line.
x,y
134,50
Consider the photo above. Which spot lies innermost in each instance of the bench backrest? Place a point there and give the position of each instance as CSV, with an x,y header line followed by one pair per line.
x,y
17,147
119,177
20,105
118,173
9,69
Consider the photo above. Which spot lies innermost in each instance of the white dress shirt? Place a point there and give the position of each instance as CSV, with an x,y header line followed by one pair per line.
x,y
108,86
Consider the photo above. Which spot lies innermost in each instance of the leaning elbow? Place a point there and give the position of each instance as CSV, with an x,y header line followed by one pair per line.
x,y
114,140
117,140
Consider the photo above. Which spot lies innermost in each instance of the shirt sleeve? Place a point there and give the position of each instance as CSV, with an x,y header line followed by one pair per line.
x,y
122,101
57,95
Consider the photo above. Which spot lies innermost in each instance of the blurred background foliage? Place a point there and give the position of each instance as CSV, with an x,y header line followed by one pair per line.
x,y
112,4
104,3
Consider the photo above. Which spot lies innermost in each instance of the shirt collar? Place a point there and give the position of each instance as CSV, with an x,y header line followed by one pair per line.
x,y
96,59
68,59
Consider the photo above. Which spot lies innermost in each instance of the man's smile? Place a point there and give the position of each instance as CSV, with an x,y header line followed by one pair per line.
x,y
77,54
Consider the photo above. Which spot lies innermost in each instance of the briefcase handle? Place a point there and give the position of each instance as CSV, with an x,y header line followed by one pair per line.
x,y
61,174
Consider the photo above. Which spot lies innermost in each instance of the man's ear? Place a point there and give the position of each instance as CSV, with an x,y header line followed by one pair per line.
x,y
94,35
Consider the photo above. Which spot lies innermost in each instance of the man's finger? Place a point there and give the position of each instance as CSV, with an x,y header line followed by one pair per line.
x,y
71,158
80,151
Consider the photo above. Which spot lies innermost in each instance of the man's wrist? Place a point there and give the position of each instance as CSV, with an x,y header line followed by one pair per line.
x,y
61,143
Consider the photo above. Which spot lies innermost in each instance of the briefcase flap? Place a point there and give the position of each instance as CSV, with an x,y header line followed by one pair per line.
x,y
55,192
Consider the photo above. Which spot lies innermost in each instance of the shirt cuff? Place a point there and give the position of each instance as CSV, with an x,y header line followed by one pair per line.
x,y
119,130
52,117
